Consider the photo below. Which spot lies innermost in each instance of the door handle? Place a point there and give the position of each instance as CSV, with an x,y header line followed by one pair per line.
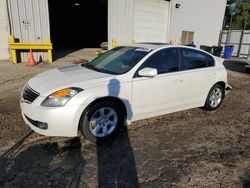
x,y
213,74
177,81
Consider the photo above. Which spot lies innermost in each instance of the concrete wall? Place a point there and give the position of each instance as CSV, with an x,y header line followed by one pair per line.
x,y
204,17
4,31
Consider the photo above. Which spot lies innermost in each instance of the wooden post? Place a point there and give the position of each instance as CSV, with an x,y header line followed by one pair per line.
x,y
240,42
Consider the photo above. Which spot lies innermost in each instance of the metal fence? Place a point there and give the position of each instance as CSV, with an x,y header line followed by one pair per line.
x,y
240,39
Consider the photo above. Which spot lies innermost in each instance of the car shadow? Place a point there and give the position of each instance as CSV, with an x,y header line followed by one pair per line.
x,y
246,183
116,163
115,158
44,165
62,163
236,66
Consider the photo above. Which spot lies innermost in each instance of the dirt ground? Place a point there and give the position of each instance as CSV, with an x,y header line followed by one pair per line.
x,y
193,148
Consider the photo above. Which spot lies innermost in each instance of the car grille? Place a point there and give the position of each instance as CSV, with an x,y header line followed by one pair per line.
x,y
29,95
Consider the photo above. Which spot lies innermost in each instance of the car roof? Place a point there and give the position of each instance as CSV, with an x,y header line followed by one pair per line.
x,y
150,45
156,45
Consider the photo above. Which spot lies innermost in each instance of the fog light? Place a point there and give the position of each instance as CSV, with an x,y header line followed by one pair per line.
x,y
42,125
38,124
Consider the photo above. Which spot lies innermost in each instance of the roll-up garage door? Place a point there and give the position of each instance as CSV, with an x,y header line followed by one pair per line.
x,y
151,20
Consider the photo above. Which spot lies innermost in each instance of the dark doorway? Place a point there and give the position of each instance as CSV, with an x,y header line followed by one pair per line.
x,y
76,24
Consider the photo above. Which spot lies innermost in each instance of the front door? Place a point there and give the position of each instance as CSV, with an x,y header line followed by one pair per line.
x,y
161,94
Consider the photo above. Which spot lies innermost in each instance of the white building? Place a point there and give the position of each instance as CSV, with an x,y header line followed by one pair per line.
x,y
4,31
179,21
125,22
202,17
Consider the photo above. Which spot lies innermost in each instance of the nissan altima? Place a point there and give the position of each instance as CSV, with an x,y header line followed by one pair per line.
x,y
123,85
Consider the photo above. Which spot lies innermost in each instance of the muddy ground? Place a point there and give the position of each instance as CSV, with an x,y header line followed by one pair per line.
x,y
193,148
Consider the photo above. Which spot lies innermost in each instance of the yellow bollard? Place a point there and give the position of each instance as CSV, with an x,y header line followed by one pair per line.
x,y
29,46
114,43
13,51
98,52
134,41
172,42
50,59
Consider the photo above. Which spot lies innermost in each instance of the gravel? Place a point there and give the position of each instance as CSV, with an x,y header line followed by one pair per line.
x,y
192,148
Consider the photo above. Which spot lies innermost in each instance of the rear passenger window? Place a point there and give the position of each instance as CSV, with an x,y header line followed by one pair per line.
x,y
192,59
210,61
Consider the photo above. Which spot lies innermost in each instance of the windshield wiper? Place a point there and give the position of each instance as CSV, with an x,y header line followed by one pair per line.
x,y
108,72
89,66
92,67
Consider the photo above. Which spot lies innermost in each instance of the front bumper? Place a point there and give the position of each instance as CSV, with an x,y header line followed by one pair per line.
x,y
61,121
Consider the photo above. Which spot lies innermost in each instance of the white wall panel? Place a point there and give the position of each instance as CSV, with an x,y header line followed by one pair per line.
x,y
139,20
204,17
151,20
4,31
120,21
30,23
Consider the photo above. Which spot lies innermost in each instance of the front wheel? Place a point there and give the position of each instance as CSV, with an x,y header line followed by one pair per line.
x,y
215,97
101,121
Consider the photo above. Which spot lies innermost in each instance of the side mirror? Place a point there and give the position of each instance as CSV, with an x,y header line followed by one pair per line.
x,y
148,72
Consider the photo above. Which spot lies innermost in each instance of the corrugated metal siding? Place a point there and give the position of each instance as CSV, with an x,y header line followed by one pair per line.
x,y
151,20
4,31
234,38
30,23
245,46
120,21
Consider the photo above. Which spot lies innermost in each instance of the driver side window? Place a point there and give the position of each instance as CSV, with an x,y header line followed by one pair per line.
x,y
164,61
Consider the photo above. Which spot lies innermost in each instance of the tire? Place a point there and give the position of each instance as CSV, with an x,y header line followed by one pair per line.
x,y
214,97
96,126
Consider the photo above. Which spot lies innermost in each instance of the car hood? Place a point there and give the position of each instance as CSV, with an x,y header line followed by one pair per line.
x,y
70,76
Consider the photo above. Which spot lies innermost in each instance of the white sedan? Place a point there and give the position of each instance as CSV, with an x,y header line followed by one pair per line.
x,y
123,85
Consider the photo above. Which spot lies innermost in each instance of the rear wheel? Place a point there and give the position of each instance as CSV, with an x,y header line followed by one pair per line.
x,y
101,121
215,97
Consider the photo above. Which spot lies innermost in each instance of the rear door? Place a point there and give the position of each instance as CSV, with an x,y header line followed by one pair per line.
x,y
198,75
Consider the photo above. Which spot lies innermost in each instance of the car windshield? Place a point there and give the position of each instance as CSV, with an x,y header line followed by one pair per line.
x,y
118,60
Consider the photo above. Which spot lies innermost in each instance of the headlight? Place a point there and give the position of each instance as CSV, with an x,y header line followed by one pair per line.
x,y
61,97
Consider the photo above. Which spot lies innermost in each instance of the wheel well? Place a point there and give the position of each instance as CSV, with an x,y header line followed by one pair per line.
x,y
223,84
113,99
